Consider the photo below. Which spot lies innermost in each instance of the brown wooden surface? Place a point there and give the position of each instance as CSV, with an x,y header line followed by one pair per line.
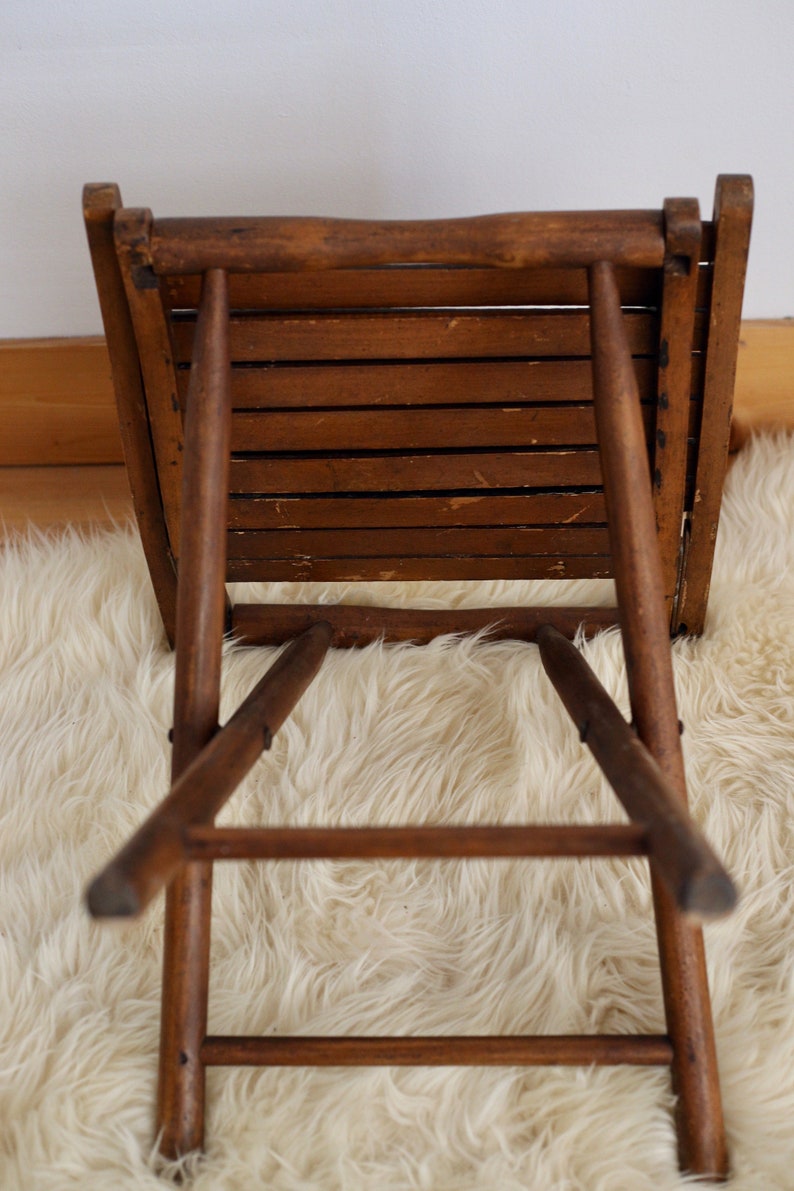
x,y
685,862
131,230
355,625
645,629
413,543
674,420
201,609
405,384
100,204
159,847
472,471
575,1050
55,498
733,209
294,843
452,567
393,335
412,429
349,512
520,240
404,287
44,371
56,402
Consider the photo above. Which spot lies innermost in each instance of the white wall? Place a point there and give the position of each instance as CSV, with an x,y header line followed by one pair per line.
x,y
381,108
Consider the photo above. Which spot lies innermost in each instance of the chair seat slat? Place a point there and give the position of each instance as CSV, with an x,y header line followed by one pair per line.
x,y
444,334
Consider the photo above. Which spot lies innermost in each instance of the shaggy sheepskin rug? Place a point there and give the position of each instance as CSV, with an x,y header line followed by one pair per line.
x,y
461,731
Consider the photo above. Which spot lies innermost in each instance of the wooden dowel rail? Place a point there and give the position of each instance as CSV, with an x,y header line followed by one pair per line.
x,y
356,625
538,1050
158,848
200,614
646,633
694,875
519,241
200,611
359,843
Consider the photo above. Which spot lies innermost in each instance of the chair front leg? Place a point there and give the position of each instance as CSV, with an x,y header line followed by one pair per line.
x,y
201,598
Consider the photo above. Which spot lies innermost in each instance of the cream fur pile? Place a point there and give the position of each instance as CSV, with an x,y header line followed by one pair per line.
x,y
462,731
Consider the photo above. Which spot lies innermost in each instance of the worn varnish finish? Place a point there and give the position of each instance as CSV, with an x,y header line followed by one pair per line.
x,y
356,625
686,865
200,618
604,1050
519,396
733,212
640,589
357,843
516,241
100,203
675,413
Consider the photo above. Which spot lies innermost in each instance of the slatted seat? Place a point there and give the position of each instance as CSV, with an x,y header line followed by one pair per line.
x,y
520,396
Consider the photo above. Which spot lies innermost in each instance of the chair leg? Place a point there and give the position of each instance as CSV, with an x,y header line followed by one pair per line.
x,y
201,596
639,583
183,1023
698,1112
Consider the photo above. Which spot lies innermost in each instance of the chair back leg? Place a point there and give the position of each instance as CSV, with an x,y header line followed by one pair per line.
x,y
645,628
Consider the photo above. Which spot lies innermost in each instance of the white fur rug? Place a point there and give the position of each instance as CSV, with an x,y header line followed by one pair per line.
x,y
460,731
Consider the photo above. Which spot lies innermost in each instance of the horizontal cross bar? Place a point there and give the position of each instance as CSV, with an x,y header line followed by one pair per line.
x,y
305,843
575,1050
683,858
355,625
153,855
516,240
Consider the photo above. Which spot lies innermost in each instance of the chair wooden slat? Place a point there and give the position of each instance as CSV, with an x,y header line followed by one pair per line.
x,y
404,287
446,334
445,567
485,541
448,511
319,385
470,471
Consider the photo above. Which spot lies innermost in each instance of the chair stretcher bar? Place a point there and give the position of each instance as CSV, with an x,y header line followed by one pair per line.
x,y
158,848
537,1050
371,843
686,863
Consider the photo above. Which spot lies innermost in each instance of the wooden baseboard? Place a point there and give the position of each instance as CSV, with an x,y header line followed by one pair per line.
x,y
56,403
56,395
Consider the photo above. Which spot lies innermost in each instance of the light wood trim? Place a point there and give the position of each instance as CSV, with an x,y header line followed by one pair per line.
x,y
54,497
764,389
56,402
57,407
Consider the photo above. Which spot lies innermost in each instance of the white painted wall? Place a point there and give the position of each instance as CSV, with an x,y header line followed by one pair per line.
x,y
381,108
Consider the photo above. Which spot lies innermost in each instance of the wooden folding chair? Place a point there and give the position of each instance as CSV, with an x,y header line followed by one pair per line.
x,y
514,396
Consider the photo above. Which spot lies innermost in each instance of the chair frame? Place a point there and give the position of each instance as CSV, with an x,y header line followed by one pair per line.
x,y
661,545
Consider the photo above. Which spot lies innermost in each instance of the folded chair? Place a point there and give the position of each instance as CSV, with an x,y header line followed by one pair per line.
x,y
513,396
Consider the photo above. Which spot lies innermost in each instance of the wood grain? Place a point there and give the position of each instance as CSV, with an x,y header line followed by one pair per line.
x,y
57,407
518,240
535,1050
56,402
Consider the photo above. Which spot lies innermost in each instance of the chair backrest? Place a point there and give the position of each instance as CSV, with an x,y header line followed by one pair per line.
x,y
414,400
